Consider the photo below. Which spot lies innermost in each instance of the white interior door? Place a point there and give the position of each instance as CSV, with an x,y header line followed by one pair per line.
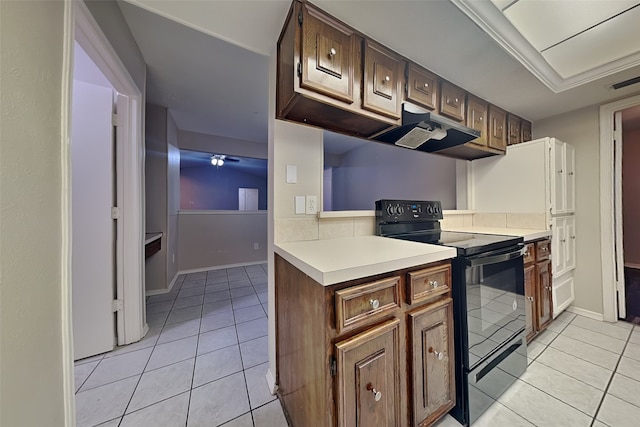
x,y
93,242
248,199
617,183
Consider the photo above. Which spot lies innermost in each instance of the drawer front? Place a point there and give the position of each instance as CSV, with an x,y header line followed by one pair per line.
x,y
530,253
543,249
363,304
422,87
452,102
428,283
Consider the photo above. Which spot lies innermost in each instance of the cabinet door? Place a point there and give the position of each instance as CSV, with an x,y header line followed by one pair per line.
x,y
570,243
558,181
544,300
525,128
531,315
368,377
570,177
497,128
422,87
514,135
452,101
327,56
432,361
477,110
383,78
558,240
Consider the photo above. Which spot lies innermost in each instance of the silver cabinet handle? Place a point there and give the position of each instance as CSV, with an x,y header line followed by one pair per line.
x,y
332,52
530,298
387,78
438,354
374,303
426,85
377,394
433,283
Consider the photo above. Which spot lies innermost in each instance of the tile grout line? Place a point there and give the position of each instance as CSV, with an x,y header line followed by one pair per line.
x,y
613,374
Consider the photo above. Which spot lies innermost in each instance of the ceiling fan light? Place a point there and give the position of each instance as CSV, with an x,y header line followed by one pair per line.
x,y
214,161
220,162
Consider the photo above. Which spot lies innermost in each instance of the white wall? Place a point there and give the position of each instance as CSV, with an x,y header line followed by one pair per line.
x,y
210,239
34,245
580,128
173,197
381,171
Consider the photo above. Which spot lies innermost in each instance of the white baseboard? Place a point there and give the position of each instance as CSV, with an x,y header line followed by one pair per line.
x,y
220,267
271,382
586,313
163,291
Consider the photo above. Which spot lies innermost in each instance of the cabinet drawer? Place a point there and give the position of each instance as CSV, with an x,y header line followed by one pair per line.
x,y
360,305
530,253
543,249
428,283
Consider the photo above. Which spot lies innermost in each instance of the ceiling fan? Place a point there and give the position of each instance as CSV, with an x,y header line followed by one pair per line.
x,y
220,159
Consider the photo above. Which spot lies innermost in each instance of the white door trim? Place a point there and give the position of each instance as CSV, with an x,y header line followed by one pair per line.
x,y
607,203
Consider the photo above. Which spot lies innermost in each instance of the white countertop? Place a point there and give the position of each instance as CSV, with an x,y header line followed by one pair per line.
x,y
527,233
151,237
338,260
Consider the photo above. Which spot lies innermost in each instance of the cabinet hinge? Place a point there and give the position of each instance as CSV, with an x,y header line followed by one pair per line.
x,y
300,19
117,305
333,366
115,212
115,120
299,69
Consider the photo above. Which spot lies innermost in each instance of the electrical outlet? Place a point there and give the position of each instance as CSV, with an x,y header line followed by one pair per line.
x,y
256,246
312,205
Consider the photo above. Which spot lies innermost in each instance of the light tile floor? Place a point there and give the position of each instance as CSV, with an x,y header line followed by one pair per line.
x,y
581,373
204,360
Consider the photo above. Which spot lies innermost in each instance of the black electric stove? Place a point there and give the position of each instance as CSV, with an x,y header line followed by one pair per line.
x,y
487,286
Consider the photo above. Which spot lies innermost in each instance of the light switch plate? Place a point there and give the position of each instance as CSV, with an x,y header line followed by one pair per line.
x,y
312,205
300,208
292,174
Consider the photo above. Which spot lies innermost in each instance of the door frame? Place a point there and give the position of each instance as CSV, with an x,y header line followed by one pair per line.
x,y
609,199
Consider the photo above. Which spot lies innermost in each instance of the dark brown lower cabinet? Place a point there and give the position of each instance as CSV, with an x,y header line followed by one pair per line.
x,y
433,376
367,377
537,287
374,351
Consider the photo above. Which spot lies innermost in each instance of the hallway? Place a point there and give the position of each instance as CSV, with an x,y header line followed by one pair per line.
x,y
203,362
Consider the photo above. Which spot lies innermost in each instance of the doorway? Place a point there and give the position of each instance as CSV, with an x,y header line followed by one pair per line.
x,y
631,211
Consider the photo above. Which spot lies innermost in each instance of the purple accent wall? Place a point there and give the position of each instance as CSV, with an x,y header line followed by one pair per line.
x,y
211,188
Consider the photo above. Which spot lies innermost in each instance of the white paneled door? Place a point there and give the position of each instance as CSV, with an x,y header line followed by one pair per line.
x,y
93,238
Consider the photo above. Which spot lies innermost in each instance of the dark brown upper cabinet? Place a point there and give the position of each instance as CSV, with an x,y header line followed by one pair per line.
x,y
477,118
497,128
452,101
525,128
422,87
383,80
514,132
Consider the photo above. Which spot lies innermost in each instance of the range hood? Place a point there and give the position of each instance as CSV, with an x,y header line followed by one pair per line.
x,y
425,131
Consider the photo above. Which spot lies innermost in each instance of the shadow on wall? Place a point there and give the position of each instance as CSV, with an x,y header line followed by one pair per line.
x,y
204,186
376,171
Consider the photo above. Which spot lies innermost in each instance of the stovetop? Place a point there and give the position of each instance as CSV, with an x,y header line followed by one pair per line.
x,y
418,221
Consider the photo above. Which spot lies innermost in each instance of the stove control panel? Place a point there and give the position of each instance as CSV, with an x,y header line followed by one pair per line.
x,y
407,210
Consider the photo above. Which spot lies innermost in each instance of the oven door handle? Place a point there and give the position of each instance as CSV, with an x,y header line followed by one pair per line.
x,y
494,259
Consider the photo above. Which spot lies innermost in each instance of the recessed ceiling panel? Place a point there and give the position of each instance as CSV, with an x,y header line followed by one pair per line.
x,y
545,23
613,40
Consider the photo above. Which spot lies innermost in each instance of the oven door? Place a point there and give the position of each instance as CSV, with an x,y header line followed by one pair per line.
x,y
494,376
495,308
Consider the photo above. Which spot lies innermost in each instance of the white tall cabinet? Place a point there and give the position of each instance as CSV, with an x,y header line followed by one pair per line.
x,y
536,177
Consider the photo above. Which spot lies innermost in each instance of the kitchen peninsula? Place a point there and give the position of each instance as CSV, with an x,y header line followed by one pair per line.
x,y
353,316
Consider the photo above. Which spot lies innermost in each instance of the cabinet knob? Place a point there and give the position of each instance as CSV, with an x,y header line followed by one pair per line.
x,y
377,394
374,303
530,298
387,78
433,283
438,354
570,173
426,85
560,171
527,253
548,288
332,52
480,119
573,237
456,100
563,240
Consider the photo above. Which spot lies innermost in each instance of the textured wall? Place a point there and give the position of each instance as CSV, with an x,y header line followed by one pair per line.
x,y
631,195
33,151
211,188
378,171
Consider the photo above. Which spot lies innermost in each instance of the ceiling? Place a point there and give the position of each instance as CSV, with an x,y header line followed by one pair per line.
x,y
208,61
